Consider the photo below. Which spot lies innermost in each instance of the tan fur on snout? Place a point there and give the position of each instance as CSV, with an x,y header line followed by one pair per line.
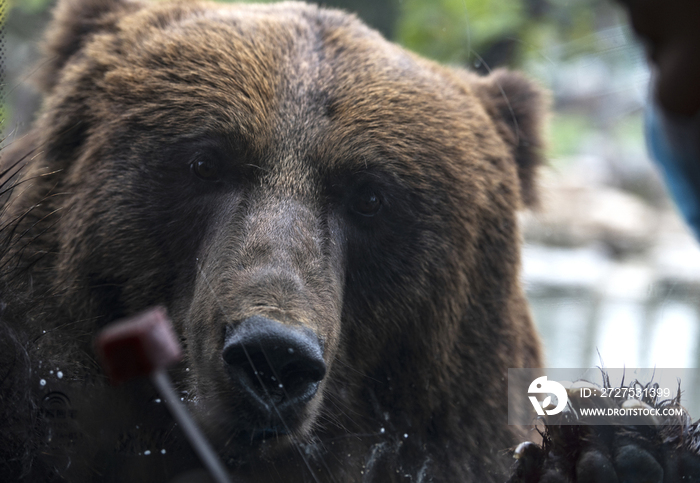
x,y
269,263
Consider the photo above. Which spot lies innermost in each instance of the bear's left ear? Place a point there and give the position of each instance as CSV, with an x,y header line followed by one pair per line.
x,y
518,108
74,22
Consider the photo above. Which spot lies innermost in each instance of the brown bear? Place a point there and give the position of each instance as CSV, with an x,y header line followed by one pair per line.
x,y
329,220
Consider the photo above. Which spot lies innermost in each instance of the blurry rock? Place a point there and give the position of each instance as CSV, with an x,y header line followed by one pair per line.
x,y
575,212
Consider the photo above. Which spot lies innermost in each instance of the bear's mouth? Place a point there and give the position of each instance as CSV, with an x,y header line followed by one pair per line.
x,y
270,433
248,422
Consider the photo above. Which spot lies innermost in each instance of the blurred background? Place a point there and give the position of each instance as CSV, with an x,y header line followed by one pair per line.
x,y
612,274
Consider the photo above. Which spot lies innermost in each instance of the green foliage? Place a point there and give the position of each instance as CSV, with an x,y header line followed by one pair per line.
x,y
30,6
451,30
502,31
566,133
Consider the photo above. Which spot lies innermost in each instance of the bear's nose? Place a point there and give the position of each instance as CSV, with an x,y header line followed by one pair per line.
x,y
276,365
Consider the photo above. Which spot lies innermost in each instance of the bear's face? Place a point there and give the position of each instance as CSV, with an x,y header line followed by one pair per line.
x,y
329,219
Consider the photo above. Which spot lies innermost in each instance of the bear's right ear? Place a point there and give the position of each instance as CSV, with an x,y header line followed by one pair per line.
x,y
518,108
74,22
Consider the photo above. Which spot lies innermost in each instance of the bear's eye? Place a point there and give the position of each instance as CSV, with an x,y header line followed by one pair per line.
x,y
204,169
366,203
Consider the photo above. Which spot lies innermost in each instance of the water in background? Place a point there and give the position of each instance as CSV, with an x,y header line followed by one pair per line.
x,y
612,273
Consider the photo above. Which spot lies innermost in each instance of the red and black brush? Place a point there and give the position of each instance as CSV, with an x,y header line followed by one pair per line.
x,y
145,345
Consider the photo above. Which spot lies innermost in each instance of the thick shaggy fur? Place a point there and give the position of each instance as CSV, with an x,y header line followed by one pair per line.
x,y
350,188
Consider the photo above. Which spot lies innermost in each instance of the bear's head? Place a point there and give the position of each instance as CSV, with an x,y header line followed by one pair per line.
x,y
329,219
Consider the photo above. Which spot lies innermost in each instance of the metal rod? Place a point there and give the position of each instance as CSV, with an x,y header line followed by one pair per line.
x,y
200,444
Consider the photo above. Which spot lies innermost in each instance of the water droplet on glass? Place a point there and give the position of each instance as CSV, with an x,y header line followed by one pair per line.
x,y
182,399
147,452
59,374
157,401
187,369
382,430
281,386
162,451
405,435
43,332
50,372
42,382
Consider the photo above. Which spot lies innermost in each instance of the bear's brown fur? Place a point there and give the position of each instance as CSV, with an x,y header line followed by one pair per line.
x,y
287,162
